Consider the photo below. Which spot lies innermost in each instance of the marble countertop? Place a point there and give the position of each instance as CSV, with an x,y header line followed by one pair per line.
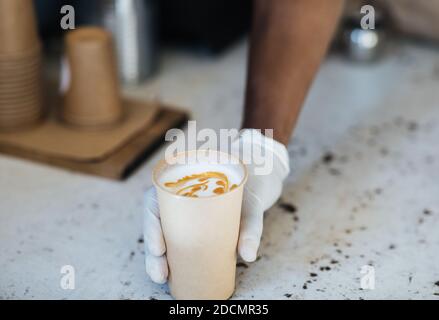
x,y
363,192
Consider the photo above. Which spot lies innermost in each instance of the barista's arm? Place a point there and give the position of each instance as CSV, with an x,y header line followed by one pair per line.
x,y
289,40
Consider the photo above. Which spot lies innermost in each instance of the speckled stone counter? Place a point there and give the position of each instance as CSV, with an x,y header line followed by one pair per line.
x,y
364,190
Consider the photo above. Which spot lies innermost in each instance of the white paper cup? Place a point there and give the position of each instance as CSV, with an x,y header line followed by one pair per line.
x,y
201,235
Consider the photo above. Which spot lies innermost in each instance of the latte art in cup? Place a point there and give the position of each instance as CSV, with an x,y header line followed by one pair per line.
x,y
201,180
193,185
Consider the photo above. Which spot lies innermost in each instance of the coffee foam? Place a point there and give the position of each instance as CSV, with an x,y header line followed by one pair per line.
x,y
175,172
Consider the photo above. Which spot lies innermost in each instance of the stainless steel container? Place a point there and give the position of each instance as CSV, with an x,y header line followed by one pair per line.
x,y
133,28
364,45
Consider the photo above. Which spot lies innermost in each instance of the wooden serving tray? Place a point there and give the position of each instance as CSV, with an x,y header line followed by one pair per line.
x,y
117,162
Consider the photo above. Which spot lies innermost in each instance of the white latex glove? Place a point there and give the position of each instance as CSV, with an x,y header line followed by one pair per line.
x,y
155,249
260,193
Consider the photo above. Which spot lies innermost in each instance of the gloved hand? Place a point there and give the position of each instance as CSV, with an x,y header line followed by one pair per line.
x,y
263,188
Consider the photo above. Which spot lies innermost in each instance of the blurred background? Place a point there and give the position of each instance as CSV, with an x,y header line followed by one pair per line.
x,y
142,28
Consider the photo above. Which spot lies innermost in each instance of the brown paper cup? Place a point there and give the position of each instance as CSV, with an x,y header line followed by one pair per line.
x,y
25,106
93,95
31,104
21,124
20,115
201,236
31,78
20,65
20,87
13,67
20,58
19,120
20,105
25,64
25,103
16,79
18,30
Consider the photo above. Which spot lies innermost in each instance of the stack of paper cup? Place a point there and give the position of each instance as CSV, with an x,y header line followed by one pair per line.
x,y
92,95
20,65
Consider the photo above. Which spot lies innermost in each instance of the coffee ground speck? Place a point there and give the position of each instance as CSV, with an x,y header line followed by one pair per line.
x,y
328,158
288,207
242,265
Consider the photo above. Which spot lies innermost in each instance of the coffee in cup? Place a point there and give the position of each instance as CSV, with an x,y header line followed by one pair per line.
x,y
200,208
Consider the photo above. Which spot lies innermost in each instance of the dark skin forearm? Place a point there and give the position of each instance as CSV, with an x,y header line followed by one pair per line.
x,y
288,42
